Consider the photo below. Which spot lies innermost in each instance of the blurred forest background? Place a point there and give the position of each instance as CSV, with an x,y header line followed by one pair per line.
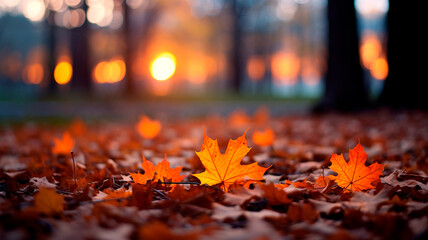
x,y
335,52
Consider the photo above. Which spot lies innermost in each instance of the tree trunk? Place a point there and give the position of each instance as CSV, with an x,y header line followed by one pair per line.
x,y
80,52
129,52
142,37
345,89
407,84
51,58
236,54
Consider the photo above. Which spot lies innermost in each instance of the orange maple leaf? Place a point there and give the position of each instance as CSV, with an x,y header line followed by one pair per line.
x,y
263,138
286,184
354,175
321,182
49,202
63,145
148,128
303,184
120,193
162,172
226,168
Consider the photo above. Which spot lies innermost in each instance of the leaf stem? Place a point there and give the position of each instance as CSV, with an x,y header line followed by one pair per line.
x,y
74,169
161,193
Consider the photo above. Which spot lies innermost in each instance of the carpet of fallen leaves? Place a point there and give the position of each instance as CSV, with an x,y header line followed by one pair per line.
x,y
46,192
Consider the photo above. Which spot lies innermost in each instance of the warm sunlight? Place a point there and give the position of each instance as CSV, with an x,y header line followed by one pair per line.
x,y
163,67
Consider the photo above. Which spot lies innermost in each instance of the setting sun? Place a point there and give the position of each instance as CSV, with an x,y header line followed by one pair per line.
x,y
163,67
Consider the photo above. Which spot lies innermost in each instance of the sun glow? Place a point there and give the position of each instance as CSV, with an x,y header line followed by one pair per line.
x,y
163,67
110,71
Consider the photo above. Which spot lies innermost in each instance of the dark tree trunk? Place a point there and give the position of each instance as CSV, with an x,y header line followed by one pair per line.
x,y
141,37
51,58
345,89
236,54
129,52
80,52
406,85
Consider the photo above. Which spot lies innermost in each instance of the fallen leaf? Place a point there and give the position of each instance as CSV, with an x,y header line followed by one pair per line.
x,y
49,202
120,194
238,196
321,182
305,212
142,196
226,168
263,138
221,212
162,172
304,184
201,196
63,145
274,195
354,175
148,128
286,184
158,230
41,183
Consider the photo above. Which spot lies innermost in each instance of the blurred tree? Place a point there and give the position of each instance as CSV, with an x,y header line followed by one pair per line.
x,y
407,83
80,53
51,45
133,39
345,89
237,10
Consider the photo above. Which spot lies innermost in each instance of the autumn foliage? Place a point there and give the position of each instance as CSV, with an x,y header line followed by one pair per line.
x,y
354,175
178,183
263,138
148,128
63,145
225,169
162,173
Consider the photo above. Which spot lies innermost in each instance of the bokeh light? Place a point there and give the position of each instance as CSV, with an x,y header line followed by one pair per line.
x,y
370,49
379,69
285,68
256,68
57,5
372,7
63,72
286,9
34,10
134,4
73,3
163,67
110,71
73,18
33,73
100,12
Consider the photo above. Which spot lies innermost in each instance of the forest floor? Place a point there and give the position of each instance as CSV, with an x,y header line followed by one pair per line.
x,y
47,192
